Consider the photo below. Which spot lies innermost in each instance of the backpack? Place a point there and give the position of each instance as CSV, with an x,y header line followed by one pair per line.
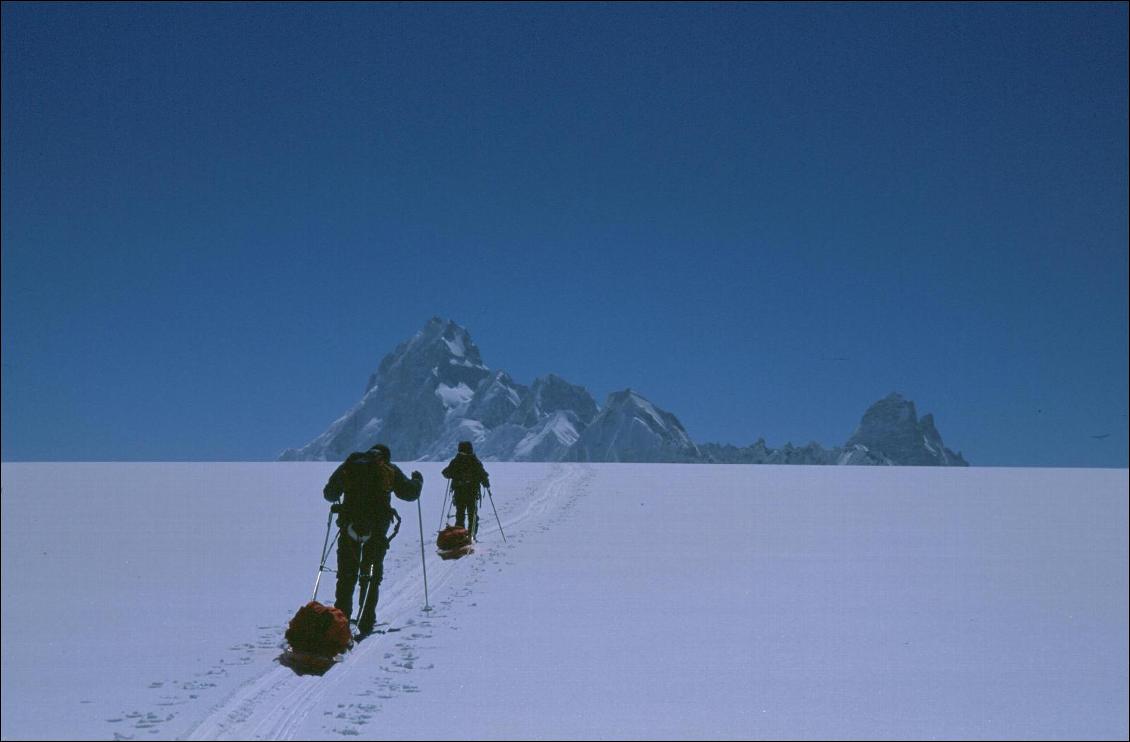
x,y
466,474
362,468
368,483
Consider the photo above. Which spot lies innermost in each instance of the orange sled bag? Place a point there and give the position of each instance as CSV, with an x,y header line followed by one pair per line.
x,y
454,542
320,630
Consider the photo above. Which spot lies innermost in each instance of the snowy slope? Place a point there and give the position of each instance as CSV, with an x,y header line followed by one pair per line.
x,y
147,601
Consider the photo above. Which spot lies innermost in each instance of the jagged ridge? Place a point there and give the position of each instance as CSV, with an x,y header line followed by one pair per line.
x,y
434,390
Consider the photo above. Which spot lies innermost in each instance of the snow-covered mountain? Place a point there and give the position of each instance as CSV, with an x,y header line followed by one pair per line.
x,y
418,392
552,417
630,428
434,390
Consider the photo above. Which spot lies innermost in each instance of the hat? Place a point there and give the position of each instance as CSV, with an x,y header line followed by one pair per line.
x,y
465,447
382,449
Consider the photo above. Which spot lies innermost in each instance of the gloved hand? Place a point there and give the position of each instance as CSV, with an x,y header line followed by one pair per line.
x,y
337,507
417,477
330,495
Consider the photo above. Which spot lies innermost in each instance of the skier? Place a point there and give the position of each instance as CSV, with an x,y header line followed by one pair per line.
x,y
467,474
367,479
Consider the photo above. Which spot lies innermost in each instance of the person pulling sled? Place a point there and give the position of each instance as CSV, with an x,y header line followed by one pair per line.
x,y
364,483
467,476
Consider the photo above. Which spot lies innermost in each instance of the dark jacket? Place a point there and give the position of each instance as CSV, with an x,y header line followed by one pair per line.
x,y
368,483
466,473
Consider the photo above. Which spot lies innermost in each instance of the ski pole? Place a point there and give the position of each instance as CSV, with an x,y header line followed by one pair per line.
x,y
423,562
363,580
325,552
443,510
496,514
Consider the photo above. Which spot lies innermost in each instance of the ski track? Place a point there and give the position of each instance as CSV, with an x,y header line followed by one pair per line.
x,y
275,703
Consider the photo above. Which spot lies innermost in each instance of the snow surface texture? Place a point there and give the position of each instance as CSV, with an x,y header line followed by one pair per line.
x,y
433,391
148,601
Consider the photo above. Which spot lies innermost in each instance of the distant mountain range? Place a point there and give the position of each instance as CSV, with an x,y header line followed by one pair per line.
x,y
434,391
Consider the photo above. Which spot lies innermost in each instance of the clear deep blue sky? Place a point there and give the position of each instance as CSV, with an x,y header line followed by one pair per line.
x,y
218,218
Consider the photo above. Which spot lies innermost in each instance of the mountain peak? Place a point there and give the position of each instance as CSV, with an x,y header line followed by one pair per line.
x,y
891,428
440,344
631,428
550,394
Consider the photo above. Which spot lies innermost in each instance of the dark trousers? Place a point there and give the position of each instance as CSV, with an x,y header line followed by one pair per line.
x,y
467,512
367,560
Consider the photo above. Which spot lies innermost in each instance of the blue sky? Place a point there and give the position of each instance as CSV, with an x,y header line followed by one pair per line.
x,y
218,218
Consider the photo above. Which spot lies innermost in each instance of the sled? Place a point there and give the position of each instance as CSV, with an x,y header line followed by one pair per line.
x,y
317,637
462,551
454,542
307,663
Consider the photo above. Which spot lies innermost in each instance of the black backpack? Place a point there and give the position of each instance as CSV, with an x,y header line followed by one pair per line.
x,y
368,494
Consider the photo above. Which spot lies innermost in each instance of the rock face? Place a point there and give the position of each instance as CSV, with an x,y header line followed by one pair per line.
x,y
891,429
434,390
